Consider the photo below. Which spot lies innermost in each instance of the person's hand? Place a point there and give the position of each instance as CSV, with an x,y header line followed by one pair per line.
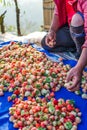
x,y
50,39
75,76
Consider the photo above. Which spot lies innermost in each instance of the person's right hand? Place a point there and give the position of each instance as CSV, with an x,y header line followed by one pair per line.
x,y
50,39
75,75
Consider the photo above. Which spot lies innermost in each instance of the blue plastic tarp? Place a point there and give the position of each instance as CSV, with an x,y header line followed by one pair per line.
x,y
5,124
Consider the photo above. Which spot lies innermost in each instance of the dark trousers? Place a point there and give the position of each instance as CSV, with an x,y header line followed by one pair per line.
x,y
67,39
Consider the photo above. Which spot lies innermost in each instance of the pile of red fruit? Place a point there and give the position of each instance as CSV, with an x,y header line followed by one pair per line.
x,y
28,72
38,114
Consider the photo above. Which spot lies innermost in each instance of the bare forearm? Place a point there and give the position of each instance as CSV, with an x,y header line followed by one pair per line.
x,y
54,24
82,62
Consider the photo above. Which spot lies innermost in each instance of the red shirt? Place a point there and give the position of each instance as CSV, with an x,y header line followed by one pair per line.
x,y
65,9
69,10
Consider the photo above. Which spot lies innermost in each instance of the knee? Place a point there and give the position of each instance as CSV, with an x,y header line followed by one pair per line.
x,y
77,20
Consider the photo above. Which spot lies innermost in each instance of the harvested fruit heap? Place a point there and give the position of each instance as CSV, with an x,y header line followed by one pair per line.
x,y
38,114
28,72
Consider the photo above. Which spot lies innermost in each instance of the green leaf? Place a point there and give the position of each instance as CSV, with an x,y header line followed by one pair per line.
x,y
40,113
5,89
48,80
78,92
72,102
45,74
37,92
38,86
83,80
41,128
22,112
51,109
45,117
13,96
58,112
54,75
5,84
68,125
6,2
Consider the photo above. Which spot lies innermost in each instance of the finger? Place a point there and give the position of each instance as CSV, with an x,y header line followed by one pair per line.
x,y
51,44
54,37
54,42
75,88
74,85
47,40
69,76
51,38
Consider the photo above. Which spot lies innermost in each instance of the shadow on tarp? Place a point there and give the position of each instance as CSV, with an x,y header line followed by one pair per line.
x,y
5,124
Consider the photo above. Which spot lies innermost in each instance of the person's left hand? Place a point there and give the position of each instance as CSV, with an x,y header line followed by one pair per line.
x,y
74,75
